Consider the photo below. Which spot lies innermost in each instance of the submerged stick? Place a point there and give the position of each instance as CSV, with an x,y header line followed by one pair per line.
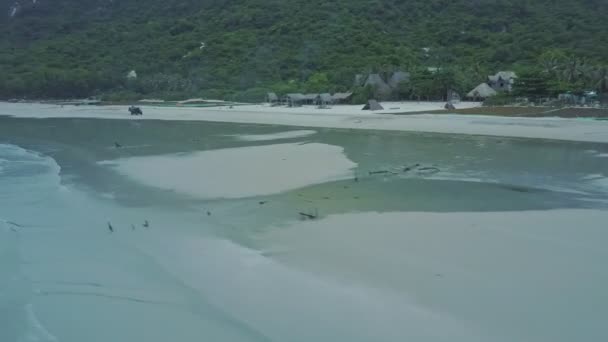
x,y
410,168
381,172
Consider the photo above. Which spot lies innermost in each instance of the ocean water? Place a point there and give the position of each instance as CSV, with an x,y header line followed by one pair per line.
x,y
227,270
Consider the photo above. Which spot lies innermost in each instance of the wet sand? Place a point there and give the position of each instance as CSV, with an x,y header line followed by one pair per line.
x,y
239,172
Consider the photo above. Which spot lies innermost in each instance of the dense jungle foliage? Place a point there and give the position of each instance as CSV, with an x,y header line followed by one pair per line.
x,y
239,49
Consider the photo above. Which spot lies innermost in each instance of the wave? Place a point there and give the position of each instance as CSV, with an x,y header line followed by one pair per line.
x,y
14,158
17,163
27,178
37,331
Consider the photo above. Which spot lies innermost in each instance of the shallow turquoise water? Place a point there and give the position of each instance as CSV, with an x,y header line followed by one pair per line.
x,y
193,276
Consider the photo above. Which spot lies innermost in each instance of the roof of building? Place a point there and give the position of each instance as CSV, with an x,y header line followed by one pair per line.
x,y
483,90
376,81
359,80
342,96
504,75
398,77
296,97
325,97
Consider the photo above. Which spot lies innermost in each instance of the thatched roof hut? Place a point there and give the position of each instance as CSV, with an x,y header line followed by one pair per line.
x,y
397,78
310,98
504,75
324,100
294,99
342,97
482,91
272,98
381,89
359,80
502,81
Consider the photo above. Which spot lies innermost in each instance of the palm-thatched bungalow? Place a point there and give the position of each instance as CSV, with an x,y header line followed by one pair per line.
x,y
294,99
272,98
310,98
343,97
324,100
502,81
360,80
481,92
381,89
397,78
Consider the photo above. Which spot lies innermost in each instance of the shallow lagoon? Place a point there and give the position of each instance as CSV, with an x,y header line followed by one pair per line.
x,y
434,267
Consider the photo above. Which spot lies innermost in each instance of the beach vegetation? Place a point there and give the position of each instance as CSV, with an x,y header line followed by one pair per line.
x,y
235,48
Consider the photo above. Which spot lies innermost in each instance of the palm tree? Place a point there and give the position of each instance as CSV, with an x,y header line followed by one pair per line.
x,y
600,79
573,69
552,61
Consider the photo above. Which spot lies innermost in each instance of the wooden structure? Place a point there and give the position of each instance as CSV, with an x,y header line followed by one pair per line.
x,y
381,89
272,99
294,100
481,92
502,81
343,97
324,100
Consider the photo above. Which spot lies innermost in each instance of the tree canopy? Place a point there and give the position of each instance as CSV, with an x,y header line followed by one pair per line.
x,y
76,48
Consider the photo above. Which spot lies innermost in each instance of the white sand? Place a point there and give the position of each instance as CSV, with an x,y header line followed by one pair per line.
x,y
240,172
274,136
448,243
500,270
350,117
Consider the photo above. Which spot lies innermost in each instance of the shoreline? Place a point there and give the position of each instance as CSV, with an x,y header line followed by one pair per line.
x,y
343,117
528,112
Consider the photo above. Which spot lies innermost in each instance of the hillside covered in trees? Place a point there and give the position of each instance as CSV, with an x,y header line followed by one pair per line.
x,y
238,49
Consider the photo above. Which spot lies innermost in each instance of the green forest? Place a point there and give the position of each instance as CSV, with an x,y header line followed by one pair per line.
x,y
240,49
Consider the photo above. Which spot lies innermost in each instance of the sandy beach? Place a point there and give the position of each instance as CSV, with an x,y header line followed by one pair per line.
x,y
239,172
450,260
503,241
274,136
344,117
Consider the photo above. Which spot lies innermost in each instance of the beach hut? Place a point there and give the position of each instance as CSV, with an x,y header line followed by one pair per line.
x,y
481,92
272,98
397,78
294,99
310,98
502,81
342,97
324,100
381,89
372,105
359,80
